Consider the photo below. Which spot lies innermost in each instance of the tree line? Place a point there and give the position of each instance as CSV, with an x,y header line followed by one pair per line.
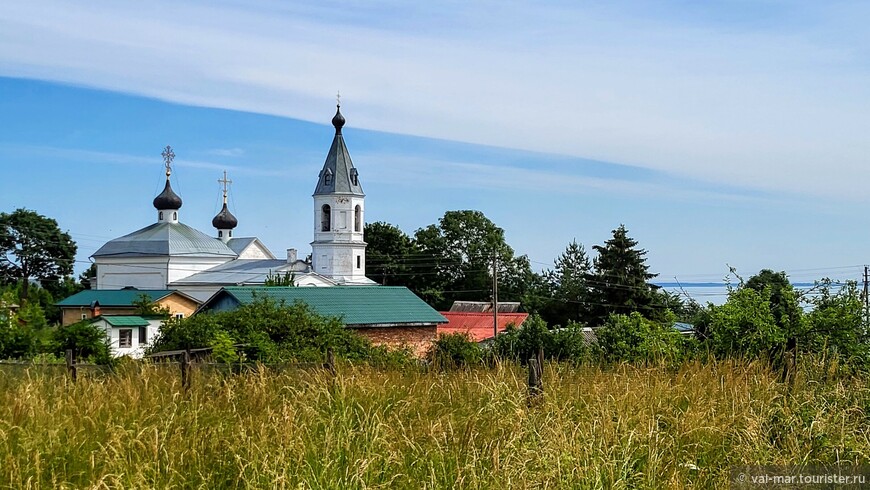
x,y
633,320
454,259
764,316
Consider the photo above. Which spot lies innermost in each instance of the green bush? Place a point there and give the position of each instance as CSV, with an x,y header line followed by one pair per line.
x,y
271,332
634,338
88,342
454,350
521,344
567,344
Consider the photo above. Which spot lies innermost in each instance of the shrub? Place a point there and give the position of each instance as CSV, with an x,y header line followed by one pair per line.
x,y
523,343
87,342
567,344
271,332
634,338
454,350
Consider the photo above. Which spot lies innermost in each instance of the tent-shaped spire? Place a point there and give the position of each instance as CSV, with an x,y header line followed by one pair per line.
x,y
338,175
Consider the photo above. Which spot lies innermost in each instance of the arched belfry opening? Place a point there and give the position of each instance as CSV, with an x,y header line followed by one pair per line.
x,y
325,217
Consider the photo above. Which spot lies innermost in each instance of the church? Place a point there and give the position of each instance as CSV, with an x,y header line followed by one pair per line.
x,y
170,255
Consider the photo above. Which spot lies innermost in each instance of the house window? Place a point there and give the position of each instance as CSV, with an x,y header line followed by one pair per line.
x,y
143,335
325,217
179,315
125,338
358,261
357,218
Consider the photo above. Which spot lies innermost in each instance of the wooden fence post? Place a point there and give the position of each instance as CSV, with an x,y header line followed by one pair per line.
x,y
185,370
71,364
330,360
536,386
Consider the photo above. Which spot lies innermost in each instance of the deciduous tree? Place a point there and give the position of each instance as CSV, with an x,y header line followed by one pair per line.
x,y
33,247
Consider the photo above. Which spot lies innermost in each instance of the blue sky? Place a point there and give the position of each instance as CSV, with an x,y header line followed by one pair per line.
x,y
718,132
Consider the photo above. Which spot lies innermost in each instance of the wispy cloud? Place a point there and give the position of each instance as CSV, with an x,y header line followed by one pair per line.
x,y
773,98
110,158
408,170
227,152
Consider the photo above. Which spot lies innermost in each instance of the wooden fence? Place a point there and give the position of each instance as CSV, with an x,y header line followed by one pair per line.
x,y
187,359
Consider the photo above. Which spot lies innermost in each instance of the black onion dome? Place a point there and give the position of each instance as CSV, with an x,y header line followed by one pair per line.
x,y
224,219
167,199
338,120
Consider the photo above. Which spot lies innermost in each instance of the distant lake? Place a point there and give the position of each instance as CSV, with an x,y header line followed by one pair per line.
x,y
715,292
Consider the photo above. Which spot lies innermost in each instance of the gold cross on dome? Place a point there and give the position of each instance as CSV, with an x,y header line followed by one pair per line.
x,y
168,156
225,183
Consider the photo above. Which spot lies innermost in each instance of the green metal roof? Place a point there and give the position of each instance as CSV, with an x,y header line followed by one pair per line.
x,y
355,305
113,297
125,321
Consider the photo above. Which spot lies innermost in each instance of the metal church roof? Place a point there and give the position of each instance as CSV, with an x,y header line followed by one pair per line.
x,y
162,239
338,175
241,271
360,306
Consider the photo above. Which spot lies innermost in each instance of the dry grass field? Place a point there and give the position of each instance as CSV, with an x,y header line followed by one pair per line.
x,y
621,427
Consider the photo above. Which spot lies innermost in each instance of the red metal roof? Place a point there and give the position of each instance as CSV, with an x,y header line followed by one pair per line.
x,y
478,325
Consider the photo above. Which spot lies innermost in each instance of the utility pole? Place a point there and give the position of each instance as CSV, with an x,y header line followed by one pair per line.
x,y
494,295
866,297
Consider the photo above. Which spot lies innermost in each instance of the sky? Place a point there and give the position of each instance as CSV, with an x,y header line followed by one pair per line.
x,y
722,133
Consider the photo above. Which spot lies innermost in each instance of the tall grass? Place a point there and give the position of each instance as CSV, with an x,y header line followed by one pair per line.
x,y
623,427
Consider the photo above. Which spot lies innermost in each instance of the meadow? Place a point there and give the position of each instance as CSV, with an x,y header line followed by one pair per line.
x,y
622,426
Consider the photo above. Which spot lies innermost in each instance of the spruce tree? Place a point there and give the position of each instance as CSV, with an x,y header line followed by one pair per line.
x,y
621,275
570,285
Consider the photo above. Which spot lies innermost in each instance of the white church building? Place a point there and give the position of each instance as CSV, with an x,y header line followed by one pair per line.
x,y
169,254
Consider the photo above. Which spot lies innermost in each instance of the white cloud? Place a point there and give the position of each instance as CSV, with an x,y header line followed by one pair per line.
x,y
774,107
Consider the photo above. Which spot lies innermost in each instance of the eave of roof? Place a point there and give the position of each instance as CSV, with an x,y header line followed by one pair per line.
x,y
357,306
165,239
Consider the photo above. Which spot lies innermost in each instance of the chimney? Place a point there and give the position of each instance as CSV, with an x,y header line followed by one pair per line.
x,y
291,255
95,309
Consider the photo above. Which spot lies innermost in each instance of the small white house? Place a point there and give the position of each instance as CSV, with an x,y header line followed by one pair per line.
x,y
129,335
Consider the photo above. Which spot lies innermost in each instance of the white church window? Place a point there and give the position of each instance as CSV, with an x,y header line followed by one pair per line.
x,y
323,262
358,261
325,217
160,215
342,220
327,179
357,218
174,216
220,234
353,177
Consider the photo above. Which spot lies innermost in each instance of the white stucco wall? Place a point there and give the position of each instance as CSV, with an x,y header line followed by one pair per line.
x,y
137,350
138,272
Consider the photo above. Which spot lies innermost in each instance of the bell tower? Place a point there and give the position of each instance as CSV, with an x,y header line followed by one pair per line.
x,y
338,249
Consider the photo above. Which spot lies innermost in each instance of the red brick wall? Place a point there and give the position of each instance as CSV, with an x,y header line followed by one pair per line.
x,y
417,339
